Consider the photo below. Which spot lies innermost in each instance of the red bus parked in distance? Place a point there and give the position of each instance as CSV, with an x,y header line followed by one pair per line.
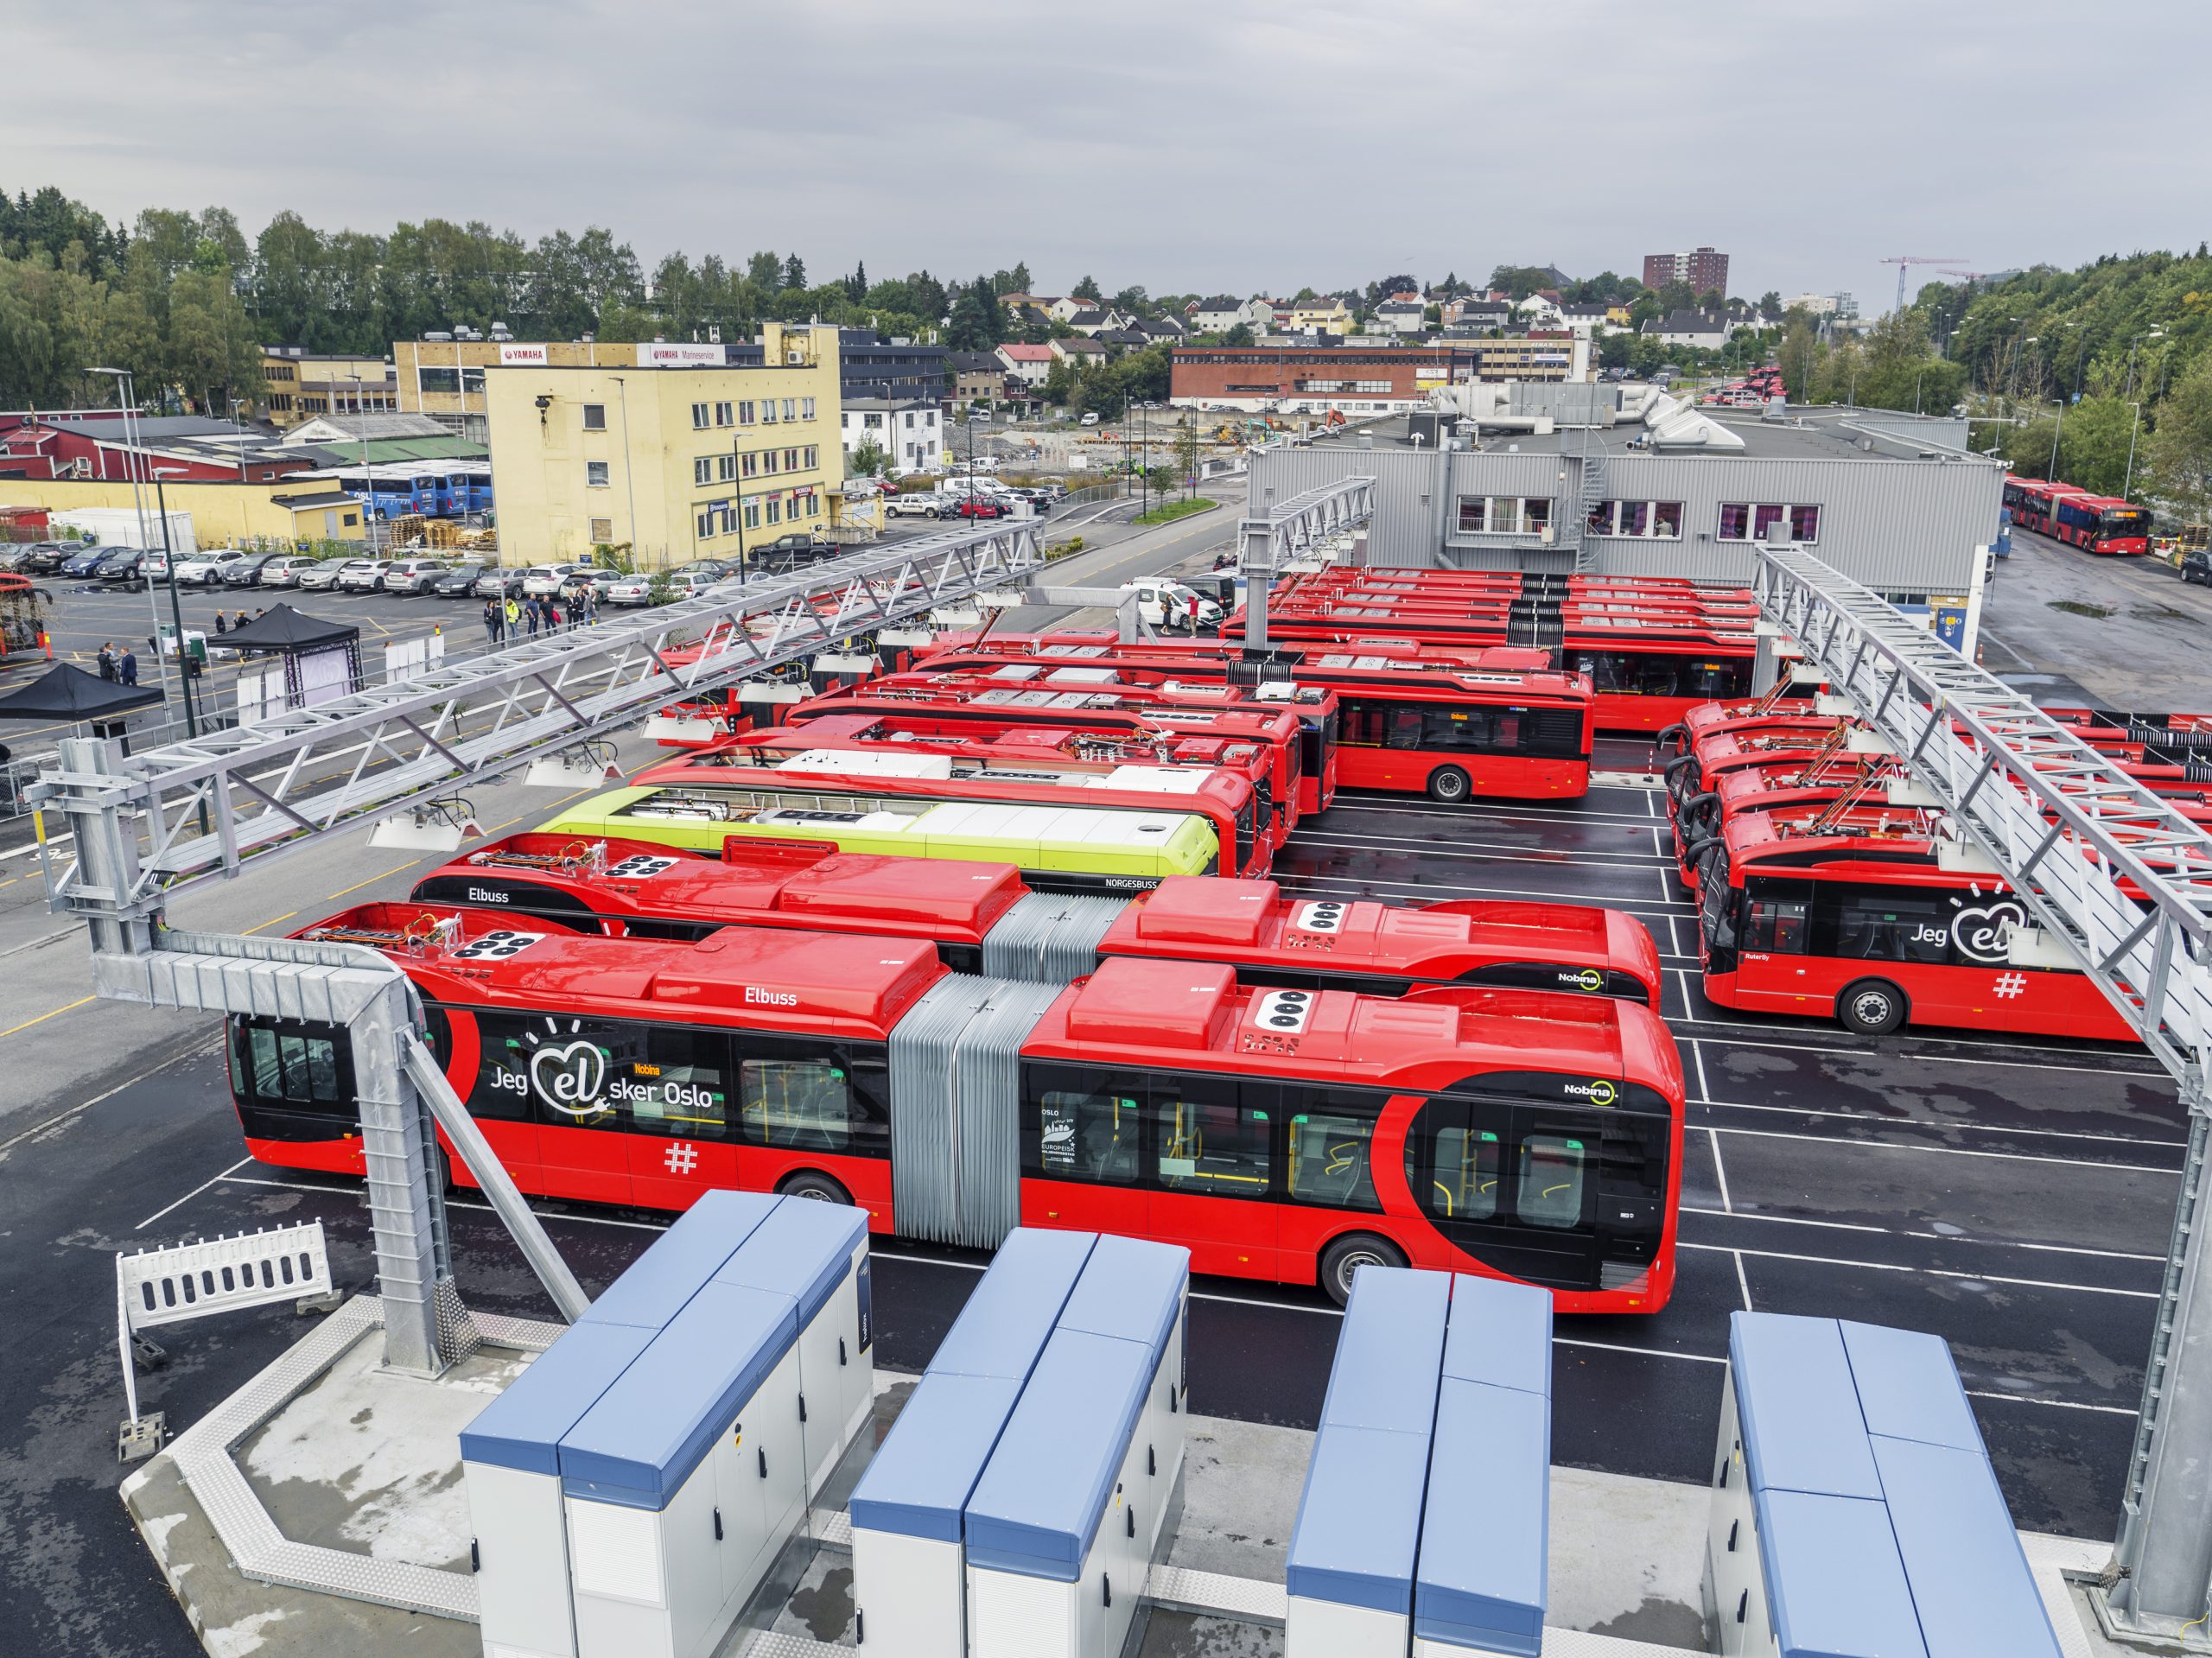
x,y
1389,950
942,705
1283,1135
2096,524
1452,731
1879,928
1024,751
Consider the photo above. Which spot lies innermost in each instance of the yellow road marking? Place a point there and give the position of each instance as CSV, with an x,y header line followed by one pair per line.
x,y
273,920
43,1017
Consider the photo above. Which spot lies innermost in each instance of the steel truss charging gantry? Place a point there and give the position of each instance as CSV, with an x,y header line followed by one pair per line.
x,y
1267,541
2126,882
216,801
209,807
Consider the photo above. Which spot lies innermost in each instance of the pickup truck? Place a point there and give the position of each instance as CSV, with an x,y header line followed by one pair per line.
x,y
917,505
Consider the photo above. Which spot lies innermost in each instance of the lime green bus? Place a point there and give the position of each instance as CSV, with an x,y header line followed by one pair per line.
x,y
1058,849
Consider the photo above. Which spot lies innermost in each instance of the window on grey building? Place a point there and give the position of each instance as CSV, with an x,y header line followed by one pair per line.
x,y
1752,520
1654,520
1504,515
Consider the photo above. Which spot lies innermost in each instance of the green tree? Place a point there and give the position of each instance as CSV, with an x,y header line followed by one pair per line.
x,y
1770,305
869,459
1135,300
794,272
2179,456
1240,334
2090,442
1186,452
1087,288
977,317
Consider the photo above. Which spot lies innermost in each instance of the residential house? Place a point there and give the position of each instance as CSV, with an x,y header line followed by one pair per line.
x,y
1586,320
1327,314
1699,328
1159,328
1123,339
909,433
1092,321
1539,310
1478,314
1219,314
1076,353
1028,364
977,376
1261,313
1065,310
1401,316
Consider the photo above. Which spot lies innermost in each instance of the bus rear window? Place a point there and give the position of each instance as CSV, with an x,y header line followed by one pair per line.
x,y
1551,1181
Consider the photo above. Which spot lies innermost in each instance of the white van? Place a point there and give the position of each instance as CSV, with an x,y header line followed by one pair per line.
x,y
1090,420
1167,604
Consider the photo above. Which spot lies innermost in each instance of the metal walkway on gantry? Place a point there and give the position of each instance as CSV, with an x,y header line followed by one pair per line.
x,y
2124,880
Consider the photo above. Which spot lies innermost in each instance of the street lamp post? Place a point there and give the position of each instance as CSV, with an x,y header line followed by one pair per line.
x,y
2135,427
176,603
368,480
126,400
2055,432
2154,333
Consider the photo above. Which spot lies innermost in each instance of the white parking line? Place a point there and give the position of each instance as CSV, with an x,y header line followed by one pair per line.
x,y
1941,1127
1720,1168
189,1196
1945,1150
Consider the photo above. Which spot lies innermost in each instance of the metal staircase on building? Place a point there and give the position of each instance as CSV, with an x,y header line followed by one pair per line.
x,y
1590,493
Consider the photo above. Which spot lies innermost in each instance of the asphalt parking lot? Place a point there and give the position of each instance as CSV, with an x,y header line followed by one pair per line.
x,y
2013,1196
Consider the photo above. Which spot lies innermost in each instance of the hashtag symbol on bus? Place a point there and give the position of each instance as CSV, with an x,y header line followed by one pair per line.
x,y
682,1158
2011,984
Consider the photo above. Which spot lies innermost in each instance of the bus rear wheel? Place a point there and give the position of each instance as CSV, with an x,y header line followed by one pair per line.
x,y
818,1187
1449,785
1342,1259
1871,1008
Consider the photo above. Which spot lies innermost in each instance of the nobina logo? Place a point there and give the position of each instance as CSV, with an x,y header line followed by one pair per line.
x,y
1588,979
1600,1092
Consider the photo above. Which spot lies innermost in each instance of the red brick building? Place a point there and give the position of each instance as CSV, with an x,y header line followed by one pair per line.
x,y
1307,379
1706,271
89,444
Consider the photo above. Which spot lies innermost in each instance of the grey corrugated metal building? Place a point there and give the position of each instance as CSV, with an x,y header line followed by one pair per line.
x,y
1886,499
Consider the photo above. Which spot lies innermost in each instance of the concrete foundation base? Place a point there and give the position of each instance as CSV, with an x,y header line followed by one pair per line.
x,y
352,1477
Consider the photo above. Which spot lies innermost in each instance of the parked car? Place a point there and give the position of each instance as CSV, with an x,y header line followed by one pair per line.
x,y
543,581
85,561
202,570
1167,604
798,547
125,566
981,506
45,557
458,581
717,568
323,576
243,569
1090,420
917,505
413,575
578,582
364,575
498,581
637,589
284,570
2197,566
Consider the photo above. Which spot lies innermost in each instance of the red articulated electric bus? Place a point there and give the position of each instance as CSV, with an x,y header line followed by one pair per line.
x,y
1124,720
1389,950
1283,1135
1867,925
2096,524
1026,751
1404,725
983,918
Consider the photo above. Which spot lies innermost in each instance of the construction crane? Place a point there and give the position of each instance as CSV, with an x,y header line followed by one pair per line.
x,y
1904,262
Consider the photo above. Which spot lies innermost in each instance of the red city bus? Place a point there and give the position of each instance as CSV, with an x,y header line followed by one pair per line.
x,y
640,889
942,705
2101,523
1226,799
1869,926
1809,740
1388,949
1027,750
1405,725
1283,1135
2030,501
976,915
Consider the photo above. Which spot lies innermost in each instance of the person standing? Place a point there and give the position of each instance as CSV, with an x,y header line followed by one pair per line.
x,y
552,612
514,617
127,669
495,621
222,625
106,660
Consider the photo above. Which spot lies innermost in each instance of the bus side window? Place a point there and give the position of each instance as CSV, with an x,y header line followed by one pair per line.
x,y
680,1088
795,1104
1402,728
1327,1141
1550,1183
1094,1135
1205,1141
1777,924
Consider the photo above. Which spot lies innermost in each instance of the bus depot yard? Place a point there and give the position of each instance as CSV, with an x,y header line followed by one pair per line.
x,y
2008,1194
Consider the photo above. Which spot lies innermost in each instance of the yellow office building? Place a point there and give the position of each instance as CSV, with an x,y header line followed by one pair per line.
x,y
675,462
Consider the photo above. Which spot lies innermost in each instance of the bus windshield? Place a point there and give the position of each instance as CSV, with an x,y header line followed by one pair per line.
x,y
1713,898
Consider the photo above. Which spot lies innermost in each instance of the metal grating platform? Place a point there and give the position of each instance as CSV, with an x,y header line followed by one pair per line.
x,y
202,1454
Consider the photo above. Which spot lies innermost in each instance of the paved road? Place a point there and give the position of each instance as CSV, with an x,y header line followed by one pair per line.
x,y
2128,630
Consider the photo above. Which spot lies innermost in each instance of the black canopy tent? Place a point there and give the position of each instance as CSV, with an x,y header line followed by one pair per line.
x,y
66,692
322,660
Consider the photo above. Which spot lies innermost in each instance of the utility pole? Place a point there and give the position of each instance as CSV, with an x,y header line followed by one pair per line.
x,y
126,399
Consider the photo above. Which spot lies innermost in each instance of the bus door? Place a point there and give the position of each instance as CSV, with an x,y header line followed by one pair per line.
x,y
1515,1186
676,1102
1210,1140
1082,1149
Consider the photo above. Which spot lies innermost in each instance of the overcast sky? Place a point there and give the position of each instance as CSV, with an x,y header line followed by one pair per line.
x,y
1229,144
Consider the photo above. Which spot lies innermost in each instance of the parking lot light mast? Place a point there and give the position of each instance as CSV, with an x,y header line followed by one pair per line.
x,y
126,400
176,604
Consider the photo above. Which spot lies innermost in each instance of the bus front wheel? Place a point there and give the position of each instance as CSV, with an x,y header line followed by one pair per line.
x,y
818,1187
1342,1259
1871,1008
1449,785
